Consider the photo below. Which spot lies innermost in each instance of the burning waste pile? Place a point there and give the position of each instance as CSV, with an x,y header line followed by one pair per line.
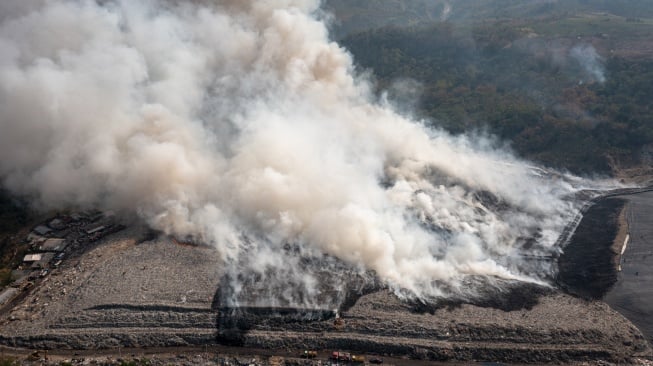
x,y
241,125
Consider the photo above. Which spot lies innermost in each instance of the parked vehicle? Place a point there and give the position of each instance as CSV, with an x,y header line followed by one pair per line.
x,y
309,354
341,356
376,360
357,359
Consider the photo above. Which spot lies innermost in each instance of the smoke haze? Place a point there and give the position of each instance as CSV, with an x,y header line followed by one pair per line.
x,y
590,61
241,125
446,12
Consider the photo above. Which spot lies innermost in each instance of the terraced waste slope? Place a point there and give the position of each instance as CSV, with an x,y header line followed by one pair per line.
x,y
122,293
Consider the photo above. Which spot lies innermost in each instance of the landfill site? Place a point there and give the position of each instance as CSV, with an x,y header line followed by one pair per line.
x,y
92,283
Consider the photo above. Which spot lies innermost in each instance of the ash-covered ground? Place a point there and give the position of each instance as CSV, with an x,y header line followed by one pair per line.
x,y
132,289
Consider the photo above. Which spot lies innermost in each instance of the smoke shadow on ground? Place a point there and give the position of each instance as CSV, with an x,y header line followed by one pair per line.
x,y
239,308
506,296
587,268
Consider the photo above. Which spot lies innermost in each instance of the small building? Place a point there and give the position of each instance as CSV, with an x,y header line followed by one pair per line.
x,y
42,230
39,260
44,262
61,234
53,245
31,258
35,238
57,224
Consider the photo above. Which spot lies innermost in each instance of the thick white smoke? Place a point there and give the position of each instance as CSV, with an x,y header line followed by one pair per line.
x,y
240,124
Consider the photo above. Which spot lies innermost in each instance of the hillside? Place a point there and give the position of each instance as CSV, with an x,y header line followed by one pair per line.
x,y
356,16
568,91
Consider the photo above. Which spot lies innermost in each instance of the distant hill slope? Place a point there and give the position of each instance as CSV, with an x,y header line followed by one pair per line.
x,y
570,91
358,15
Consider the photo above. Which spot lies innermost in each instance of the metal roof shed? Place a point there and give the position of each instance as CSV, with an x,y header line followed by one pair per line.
x,y
32,258
53,245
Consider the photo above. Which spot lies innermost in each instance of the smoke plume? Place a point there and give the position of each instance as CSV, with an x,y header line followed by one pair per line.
x,y
241,125
446,12
590,61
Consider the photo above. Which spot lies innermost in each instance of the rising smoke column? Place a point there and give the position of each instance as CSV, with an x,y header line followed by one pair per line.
x,y
590,61
240,124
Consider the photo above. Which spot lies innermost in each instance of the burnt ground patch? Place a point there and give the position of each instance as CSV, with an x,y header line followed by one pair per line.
x,y
239,311
234,323
507,296
586,267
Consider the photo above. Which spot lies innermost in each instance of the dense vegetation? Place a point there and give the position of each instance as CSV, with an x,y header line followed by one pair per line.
x,y
572,92
357,15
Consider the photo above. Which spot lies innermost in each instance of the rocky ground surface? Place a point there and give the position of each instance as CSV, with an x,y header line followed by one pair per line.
x,y
127,291
559,329
120,293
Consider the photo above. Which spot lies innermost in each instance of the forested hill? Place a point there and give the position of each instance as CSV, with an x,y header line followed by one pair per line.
x,y
573,91
358,15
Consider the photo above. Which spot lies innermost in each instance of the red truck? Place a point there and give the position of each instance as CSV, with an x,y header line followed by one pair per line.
x,y
341,356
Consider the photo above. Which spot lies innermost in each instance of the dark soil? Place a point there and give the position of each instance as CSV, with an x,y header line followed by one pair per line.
x,y
632,295
510,296
586,268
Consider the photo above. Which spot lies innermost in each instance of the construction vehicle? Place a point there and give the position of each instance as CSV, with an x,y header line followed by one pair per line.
x,y
357,359
309,354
